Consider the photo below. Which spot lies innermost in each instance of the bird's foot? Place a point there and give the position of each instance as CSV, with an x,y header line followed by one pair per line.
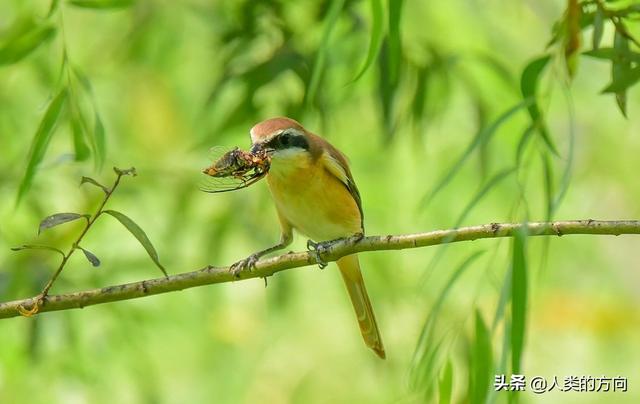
x,y
247,263
317,249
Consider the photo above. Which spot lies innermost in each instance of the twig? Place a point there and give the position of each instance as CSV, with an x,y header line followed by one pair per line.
x,y
269,266
36,303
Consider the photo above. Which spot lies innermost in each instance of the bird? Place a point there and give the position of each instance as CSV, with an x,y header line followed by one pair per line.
x,y
314,193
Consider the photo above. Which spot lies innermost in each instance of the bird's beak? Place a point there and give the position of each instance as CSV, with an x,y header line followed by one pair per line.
x,y
261,147
257,147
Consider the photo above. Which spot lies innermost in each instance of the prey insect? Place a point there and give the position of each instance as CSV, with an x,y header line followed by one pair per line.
x,y
235,169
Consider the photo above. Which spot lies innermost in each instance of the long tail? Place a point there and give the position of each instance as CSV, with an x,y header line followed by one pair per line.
x,y
350,270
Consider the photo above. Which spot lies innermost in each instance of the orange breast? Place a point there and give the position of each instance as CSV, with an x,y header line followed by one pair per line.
x,y
314,201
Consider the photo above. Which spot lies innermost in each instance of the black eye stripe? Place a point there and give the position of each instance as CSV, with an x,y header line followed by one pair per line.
x,y
287,140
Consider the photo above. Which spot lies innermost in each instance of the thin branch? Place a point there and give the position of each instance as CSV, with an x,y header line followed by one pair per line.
x,y
41,298
269,266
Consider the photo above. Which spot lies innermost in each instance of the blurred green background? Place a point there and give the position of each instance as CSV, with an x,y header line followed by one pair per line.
x,y
164,81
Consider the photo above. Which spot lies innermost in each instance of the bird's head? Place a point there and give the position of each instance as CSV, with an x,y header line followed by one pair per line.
x,y
283,138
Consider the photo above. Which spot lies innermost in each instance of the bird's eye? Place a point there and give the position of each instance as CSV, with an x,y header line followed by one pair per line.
x,y
285,139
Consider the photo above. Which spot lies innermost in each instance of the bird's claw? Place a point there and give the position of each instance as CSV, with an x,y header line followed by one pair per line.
x,y
317,249
247,263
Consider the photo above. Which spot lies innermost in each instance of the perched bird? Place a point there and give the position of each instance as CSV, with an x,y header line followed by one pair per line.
x,y
314,193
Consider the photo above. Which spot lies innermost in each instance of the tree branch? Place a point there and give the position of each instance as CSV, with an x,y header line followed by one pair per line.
x,y
269,266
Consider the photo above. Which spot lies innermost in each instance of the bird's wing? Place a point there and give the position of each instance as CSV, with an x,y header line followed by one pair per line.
x,y
336,164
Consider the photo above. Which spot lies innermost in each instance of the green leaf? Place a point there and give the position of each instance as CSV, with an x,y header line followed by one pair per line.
x,y
523,142
20,44
80,147
89,180
90,257
59,218
37,247
102,4
528,86
623,81
615,55
98,139
395,39
140,235
446,383
481,362
41,141
598,28
473,202
421,368
53,7
99,136
482,137
84,81
518,300
547,169
318,67
126,171
377,30
421,93
505,298
573,36
478,196
567,172
620,69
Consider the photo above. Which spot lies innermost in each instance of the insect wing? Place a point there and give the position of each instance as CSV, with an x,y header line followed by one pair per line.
x,y
230,183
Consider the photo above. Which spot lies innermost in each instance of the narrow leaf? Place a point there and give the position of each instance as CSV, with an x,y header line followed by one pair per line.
x,y
481,361
126,171
102,4
395,39
572,39
615,55
528,86
58,218
80,147
619,69
37,247
21,45
505,298
518,300
483,136
140,235
568,168
623,81
41,141
523,142
598,28
421,362
547,169
90,257
318,67
53,7
493,182
98,134
446,383
90,180
421,93
377,26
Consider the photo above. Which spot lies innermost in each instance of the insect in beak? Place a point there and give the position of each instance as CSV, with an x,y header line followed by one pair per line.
x,y
235,169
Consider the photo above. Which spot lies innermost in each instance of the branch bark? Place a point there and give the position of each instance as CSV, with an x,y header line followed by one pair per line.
x,y
269,266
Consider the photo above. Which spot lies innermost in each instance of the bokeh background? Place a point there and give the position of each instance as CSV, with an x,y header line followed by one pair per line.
x,y
426,100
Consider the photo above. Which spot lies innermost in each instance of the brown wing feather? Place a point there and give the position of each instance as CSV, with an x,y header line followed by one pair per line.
x,y
318,147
